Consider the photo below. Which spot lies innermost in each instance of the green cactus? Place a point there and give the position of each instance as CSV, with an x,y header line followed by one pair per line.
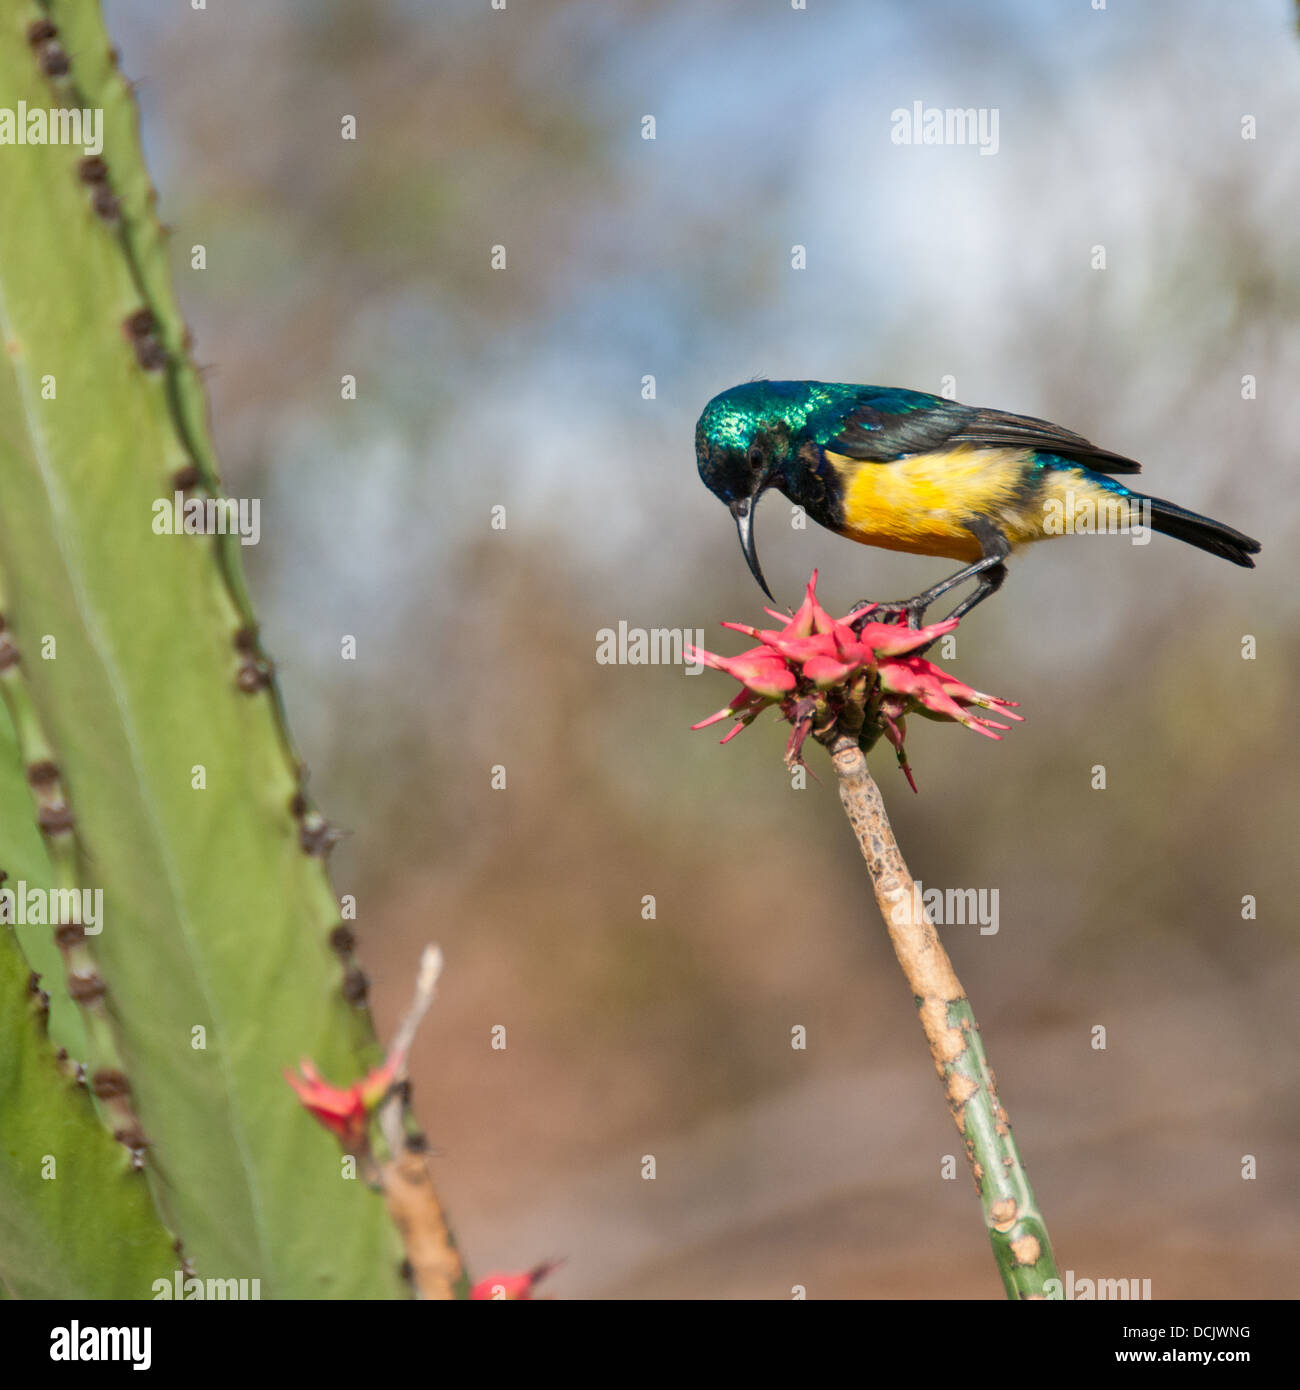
x,y
25,859
143,699
75,1222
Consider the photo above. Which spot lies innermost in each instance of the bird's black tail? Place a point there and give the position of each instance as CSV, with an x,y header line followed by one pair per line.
x,y
1202,532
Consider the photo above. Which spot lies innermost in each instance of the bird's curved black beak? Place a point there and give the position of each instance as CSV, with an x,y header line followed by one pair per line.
x,y
743,510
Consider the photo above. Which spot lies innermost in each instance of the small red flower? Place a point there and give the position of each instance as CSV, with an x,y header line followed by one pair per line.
x,y
506,1288
816,667
759,669
344,1112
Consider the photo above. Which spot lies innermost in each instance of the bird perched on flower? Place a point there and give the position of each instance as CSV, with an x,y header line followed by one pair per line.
x,y
909,471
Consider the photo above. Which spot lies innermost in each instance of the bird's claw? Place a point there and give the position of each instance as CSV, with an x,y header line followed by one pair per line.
x,y
872,611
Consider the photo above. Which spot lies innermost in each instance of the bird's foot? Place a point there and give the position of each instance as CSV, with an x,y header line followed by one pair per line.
x,y
873,611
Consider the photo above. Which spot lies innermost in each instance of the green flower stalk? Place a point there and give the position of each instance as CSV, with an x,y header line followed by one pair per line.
x,y
846,682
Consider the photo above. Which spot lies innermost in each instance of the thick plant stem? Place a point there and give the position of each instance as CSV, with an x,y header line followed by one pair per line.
x,y
1016,1228
435,1266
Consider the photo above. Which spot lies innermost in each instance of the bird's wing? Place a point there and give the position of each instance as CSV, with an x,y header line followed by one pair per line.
x,y
893,424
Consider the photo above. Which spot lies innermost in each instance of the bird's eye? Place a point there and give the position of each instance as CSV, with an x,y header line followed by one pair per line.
x,y
755,456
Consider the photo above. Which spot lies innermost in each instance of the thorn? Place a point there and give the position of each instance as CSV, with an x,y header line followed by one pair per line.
x,y
53,60
108,1083
253,676
141,329
317,836
132,1136
105,203
42,773
54,820
86,989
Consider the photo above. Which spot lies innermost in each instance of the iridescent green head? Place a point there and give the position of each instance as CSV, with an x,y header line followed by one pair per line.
x,y
750,438
743,436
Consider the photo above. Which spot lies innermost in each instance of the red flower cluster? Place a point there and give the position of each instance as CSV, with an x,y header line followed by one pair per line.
x,y
345,1111
816,666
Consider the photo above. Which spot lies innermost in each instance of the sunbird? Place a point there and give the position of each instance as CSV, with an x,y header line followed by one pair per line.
x,y
906,470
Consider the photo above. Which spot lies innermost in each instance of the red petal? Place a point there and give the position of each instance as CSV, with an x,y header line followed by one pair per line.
x,y
826,671
888,639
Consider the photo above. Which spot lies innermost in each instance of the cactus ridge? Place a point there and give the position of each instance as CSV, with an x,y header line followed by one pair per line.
x,y
160,338
75,1222
221,962
83,982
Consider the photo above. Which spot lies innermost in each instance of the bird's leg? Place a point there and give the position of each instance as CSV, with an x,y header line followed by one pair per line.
x,y
989,583
990,570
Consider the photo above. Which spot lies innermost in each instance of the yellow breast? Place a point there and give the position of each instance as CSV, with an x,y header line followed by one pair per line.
x,y
921,504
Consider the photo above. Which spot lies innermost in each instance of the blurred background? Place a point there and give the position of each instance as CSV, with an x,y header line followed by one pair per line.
x,y
524,388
